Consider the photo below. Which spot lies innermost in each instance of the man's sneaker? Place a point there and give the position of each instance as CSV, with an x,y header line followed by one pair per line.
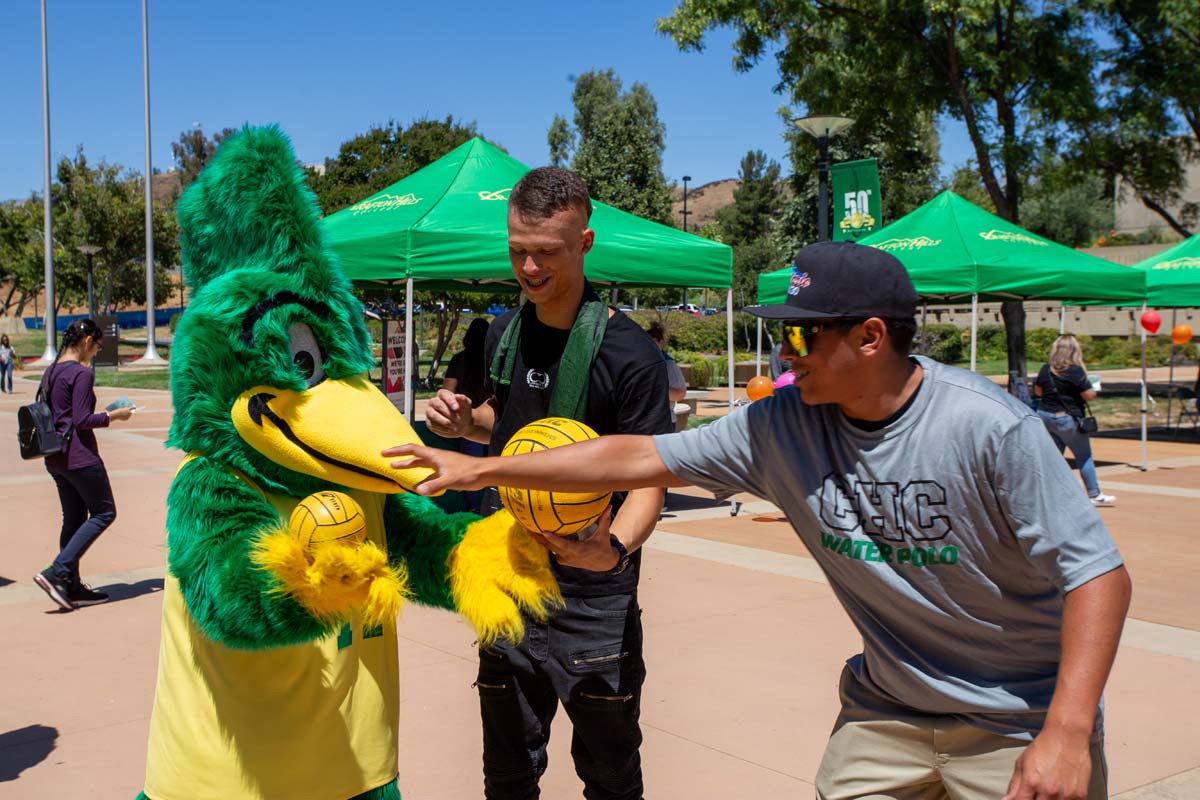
x,y
54,587
1102,500
86,596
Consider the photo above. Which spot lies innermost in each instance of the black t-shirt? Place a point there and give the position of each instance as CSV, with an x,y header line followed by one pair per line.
x,y
1062,392
471,378
627,393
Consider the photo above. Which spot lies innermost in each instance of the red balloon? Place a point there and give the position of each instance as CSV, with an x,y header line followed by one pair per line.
x,y
1151,321
759,387
1182,334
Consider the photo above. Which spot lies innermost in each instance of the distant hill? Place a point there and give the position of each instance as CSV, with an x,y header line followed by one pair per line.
x,y
703,202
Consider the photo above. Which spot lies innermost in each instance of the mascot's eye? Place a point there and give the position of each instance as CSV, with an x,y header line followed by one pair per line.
x,y
306,354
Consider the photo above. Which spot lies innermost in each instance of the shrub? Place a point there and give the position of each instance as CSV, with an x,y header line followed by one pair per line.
x,y
941,342
701,368
1038,343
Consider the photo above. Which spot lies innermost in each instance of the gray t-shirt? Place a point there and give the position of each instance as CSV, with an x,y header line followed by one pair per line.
x,y
950,536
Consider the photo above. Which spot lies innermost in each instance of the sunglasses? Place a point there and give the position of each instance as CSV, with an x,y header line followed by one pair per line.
x,y
797,333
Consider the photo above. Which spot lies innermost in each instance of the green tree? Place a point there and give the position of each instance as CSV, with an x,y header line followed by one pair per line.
x,y
1068,208
383,155
193,150
1004,70
756,201
1144,126
22,269
103,205
616,145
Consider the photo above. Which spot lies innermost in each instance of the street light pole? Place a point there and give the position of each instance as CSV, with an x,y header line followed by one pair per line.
x,y
685,214
823,128
51,351
151,354
90,250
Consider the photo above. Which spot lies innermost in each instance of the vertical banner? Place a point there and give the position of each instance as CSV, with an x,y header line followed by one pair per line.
x,y
393,362
857,210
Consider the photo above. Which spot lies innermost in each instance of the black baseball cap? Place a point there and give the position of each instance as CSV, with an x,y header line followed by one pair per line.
x,y
832,280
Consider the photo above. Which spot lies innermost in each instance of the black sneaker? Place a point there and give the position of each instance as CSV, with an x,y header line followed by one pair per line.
x,y
86,596
54,587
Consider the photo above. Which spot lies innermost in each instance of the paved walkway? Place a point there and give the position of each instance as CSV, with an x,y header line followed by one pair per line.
x,y
744,641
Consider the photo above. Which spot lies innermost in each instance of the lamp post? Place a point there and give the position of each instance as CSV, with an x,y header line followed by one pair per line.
x,y
90,250
823,128
685,214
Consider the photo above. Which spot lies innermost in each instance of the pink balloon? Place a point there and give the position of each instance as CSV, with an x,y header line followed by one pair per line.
x,y
1151,321
785,379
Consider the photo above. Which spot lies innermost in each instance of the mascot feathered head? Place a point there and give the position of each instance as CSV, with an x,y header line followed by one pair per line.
x,y
269,367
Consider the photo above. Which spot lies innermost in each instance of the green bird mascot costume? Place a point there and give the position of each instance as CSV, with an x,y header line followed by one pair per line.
x,y
277,671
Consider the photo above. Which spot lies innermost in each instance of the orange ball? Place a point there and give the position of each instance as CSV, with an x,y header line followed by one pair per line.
x,y
759,386
1181,334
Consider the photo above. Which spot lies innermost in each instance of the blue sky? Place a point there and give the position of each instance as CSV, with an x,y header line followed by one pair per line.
x,y
327,71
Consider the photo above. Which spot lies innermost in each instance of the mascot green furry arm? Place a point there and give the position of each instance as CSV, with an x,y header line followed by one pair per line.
x,y
278,665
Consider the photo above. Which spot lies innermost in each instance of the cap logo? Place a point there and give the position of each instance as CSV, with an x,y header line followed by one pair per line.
x,y
800,280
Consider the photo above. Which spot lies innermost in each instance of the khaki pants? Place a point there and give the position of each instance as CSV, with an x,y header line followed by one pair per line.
x,y
872,756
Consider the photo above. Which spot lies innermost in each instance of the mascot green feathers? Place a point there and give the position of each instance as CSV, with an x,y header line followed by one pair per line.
x,y
278,673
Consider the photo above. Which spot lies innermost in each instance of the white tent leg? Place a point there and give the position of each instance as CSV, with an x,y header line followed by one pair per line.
x,y
758,352
1062,320
974,327
1171,374
1145,464
408,350
729,339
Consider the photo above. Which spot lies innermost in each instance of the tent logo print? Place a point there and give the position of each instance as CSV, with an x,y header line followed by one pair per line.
x,y
911,243
385,202
1010,236
499,194
1189,262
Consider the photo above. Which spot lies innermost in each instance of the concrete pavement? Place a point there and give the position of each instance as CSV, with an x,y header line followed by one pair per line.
x,y
744,641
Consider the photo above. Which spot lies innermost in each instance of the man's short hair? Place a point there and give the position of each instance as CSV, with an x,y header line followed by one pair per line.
x,y
545,191
657,332
901,332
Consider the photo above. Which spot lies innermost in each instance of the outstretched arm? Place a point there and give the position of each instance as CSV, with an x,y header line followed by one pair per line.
x,y
421,535
610,462
1057,763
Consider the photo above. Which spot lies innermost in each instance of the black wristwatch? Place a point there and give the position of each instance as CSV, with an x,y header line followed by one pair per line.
x,y
623,556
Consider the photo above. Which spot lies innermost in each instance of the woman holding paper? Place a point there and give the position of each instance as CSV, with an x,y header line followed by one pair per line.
x,y
83,488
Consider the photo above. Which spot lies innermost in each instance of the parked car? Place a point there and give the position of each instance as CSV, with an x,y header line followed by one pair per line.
x,y
708,312
689,308
625,308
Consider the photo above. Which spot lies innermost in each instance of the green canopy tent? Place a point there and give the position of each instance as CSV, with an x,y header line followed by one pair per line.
x,y
954,249
445,225
1172,281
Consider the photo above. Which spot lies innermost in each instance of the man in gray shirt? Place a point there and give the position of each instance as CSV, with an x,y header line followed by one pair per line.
x,y
989,595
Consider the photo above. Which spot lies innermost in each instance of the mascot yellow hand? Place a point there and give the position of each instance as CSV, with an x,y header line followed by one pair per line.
x,y
325,562
497,570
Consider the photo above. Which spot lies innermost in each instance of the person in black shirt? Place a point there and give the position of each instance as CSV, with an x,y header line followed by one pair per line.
x,y
565,353
1064,389
467,374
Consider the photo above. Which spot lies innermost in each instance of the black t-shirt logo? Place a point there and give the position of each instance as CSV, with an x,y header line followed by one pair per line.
x,y
536,379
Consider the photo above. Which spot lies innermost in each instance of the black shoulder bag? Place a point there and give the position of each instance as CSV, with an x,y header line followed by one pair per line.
x,y
36,432
1085,424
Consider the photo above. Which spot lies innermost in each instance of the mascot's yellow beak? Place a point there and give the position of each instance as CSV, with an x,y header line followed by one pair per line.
x,y
332,431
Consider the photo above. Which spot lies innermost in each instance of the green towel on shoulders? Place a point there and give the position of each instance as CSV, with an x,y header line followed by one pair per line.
x,y
570,396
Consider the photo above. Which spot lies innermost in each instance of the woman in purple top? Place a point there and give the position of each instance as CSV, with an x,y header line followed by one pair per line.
x,y
83,488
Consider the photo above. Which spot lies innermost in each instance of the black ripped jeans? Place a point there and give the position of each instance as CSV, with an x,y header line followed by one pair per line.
x,y
589,657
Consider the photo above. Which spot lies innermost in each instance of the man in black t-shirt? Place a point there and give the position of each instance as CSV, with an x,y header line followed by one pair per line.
x,y
564,353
